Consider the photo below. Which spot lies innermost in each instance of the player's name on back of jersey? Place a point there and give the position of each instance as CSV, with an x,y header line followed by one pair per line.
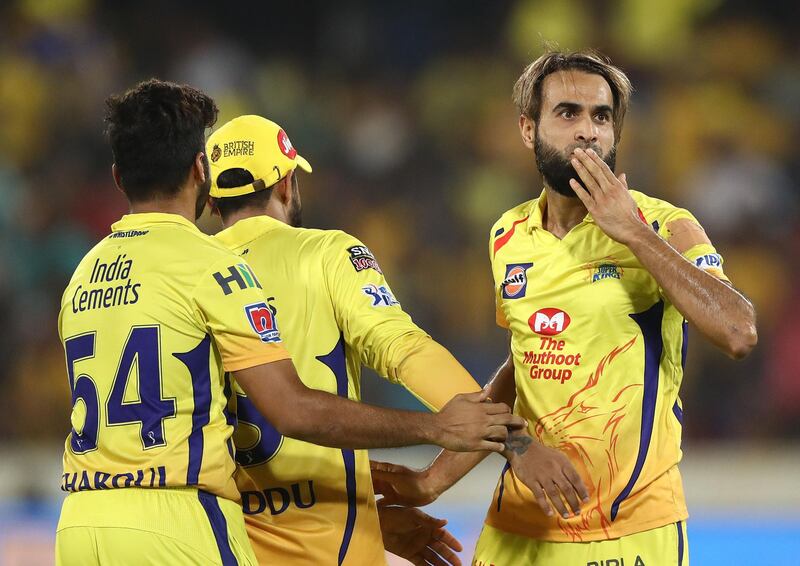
x,y
86,480
109,285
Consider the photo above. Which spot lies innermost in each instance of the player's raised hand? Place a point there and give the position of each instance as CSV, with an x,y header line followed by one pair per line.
x,y
401,485
606,197
418,537
470,421
551,477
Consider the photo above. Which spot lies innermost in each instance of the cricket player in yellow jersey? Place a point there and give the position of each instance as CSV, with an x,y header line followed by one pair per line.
x,y
308,504
596,284
154,321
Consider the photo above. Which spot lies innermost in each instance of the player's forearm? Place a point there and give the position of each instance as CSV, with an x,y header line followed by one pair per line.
x,y
449,467
322,418
718,311
325,419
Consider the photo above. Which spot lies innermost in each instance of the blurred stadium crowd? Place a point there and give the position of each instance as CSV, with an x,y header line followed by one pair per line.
x,y
404,110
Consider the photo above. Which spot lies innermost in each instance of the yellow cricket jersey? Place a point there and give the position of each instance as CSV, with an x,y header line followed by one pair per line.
x,y
598,355
152,315
306,504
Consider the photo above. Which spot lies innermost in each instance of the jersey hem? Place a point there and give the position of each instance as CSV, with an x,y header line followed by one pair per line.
x,y
593,536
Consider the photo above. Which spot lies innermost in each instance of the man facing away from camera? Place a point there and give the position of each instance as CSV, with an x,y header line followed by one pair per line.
x,y
596,284
307,504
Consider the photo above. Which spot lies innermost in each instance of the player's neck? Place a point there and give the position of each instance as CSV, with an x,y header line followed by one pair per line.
x,y
561,213
244,214
183,204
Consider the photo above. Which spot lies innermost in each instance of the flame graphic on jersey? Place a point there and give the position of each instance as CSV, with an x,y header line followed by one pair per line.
x,y
503,240
606,408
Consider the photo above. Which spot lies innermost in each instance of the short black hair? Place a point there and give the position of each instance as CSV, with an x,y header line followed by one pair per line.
x,y
231,178
156,129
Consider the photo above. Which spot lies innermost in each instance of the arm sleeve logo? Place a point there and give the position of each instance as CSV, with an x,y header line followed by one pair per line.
x,y
241,274
362,259
263,322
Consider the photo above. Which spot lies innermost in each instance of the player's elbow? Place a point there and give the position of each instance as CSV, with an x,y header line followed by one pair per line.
x,y
741,341
291,424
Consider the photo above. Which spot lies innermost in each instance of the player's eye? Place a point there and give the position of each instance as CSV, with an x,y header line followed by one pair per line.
x,y
567,114
603,117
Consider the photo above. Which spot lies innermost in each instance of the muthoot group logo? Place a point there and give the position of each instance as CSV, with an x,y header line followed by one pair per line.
x,y
549,321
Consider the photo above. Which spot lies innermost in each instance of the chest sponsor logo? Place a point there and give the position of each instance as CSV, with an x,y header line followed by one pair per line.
x,y
606,271
362,259
515,282
709,261
380,296
553,361
263,322
549,321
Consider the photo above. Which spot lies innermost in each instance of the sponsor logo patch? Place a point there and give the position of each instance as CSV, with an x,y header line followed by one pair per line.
x,y
238,147
381,296
549,321
516,280
285,145
606,271
216,153
362,259
709,261
262,320
240,274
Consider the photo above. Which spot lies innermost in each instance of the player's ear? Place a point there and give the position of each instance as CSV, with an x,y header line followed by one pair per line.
x,y
117,177
283,190
527,129
200,167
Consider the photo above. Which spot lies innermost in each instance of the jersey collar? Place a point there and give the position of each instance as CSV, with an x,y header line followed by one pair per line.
x,y
536,213
142,219
247,230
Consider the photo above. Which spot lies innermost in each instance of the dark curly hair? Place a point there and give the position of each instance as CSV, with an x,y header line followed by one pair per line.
x,y
156,129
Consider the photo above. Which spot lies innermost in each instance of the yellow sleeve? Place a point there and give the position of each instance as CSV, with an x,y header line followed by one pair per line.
x,y
432,374
380,332
684,233
229,303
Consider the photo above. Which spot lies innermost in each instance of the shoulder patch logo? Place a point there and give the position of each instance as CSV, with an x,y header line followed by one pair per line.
x,y
241,274
263,322
709,261
515,282
362,259
381,296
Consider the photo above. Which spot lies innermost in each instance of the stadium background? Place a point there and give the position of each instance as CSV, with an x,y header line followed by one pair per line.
x,y
404,110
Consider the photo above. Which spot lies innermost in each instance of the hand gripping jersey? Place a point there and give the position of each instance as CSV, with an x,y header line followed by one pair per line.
x,y
598,355
306,504
149,320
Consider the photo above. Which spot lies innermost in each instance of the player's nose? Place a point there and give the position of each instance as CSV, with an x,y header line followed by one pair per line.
x,y
585,130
